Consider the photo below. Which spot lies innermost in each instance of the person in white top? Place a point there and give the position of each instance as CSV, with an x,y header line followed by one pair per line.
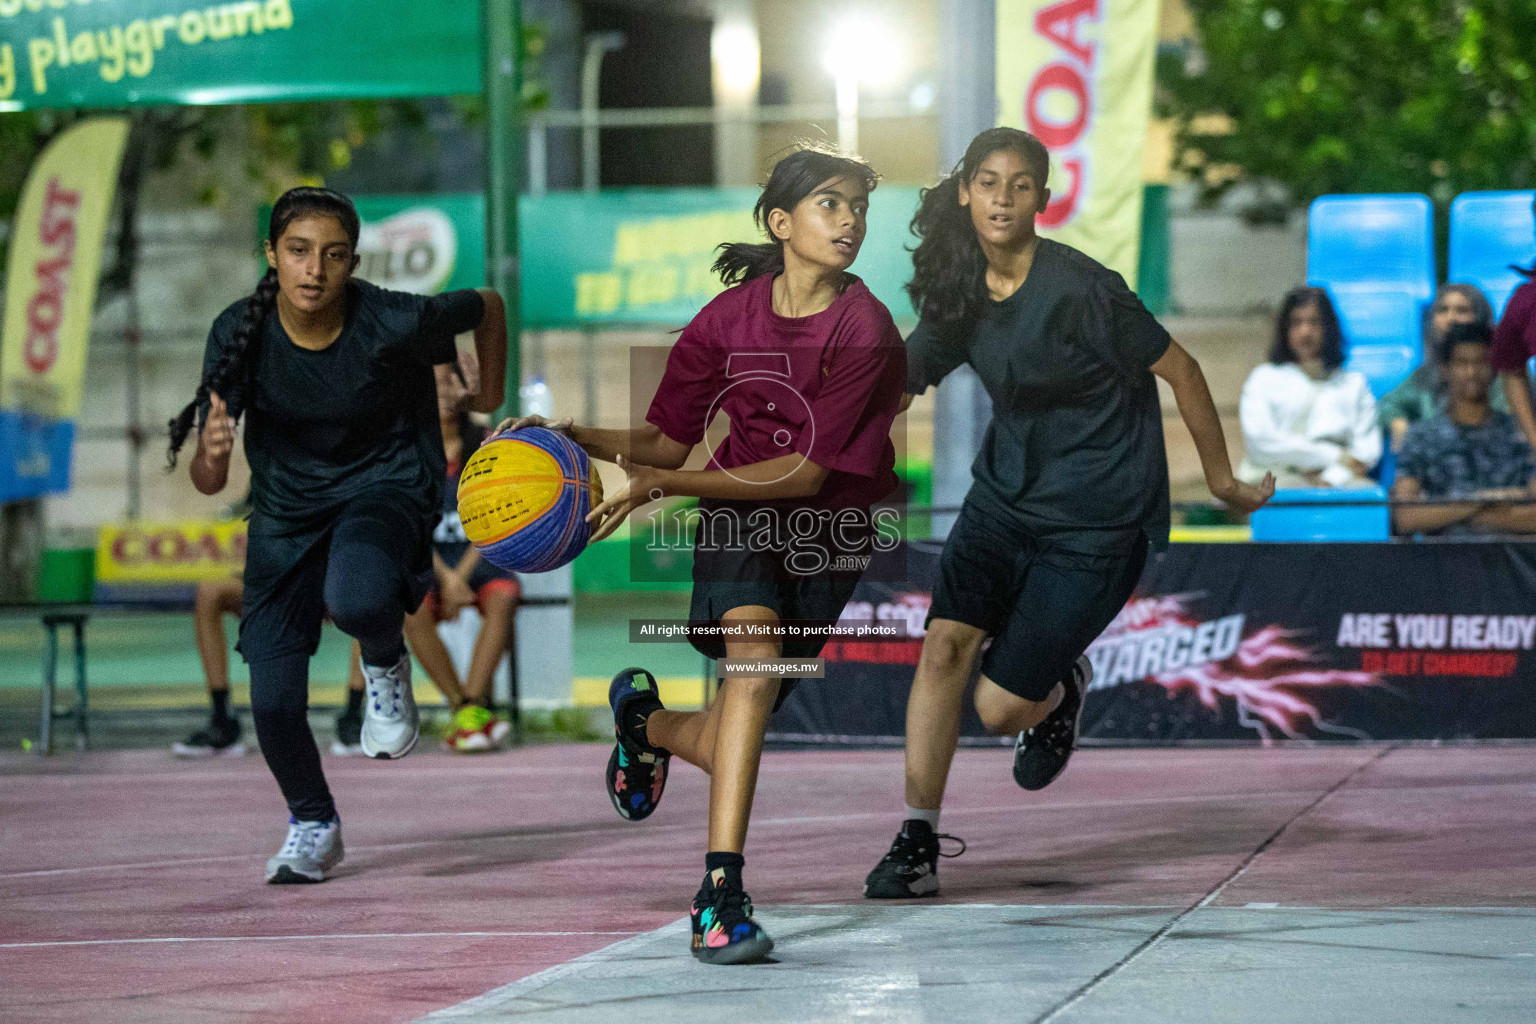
x,y
1305,418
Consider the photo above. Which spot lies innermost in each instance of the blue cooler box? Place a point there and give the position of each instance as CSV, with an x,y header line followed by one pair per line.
x,y
1324,514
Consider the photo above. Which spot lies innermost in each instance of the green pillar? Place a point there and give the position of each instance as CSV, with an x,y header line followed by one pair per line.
x,y
1153,275
503,32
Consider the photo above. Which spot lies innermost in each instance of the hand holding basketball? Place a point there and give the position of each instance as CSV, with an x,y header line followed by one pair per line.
x,y
524,497
564,426
643,486
217,438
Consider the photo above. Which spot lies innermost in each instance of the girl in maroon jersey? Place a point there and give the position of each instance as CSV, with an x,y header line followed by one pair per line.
x,y
809,368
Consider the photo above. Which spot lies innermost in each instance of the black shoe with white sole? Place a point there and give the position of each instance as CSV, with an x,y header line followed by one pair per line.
x,y
1040,754
911,868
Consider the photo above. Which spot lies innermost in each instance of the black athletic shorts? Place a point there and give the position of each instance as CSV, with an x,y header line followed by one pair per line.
x,y
1041,603
379,541
728,572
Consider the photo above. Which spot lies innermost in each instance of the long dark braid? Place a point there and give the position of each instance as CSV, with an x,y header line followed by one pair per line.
x,y
234,360
230,361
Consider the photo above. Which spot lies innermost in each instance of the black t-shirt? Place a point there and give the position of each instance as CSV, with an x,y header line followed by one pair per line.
x,y
358,415
1074,452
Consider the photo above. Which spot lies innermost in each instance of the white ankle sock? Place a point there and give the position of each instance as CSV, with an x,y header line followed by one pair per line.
x,y
920,814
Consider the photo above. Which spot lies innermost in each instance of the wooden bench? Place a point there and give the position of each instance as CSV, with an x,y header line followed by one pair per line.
x,y
74,616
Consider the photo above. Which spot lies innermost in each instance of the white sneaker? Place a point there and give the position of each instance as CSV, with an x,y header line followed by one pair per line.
x,y
391,723
311,849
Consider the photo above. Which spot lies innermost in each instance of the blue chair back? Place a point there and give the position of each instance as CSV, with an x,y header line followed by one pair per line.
x,y
1490,231
1366,241
1382,332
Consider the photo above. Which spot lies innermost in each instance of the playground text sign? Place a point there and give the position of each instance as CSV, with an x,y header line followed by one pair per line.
x,y
118,53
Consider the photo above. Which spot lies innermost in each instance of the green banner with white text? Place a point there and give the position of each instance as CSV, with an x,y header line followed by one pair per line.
x,y
621,256
118,53
642,256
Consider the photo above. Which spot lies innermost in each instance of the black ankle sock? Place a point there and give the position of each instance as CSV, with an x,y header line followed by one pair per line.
x,y
730,864
355,701
220,699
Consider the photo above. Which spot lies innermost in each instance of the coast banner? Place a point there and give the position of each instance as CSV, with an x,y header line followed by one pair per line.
x,y
168,553
110,53
50,294
1077,74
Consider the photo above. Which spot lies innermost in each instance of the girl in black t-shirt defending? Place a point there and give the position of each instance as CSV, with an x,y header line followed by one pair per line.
x,y
334,378
1070,486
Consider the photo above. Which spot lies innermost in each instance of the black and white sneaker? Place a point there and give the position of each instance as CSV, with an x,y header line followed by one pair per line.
x,y
219,738
1040,754
911,869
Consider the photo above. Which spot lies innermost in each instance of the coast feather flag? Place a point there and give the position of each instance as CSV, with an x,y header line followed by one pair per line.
x,y
1077,74
50,294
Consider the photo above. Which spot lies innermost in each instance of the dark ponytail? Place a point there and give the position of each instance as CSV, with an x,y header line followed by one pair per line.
x,y
233,361
793,178
949,270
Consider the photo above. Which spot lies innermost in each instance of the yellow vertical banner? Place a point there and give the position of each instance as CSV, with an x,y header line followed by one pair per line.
x,y
56,239
1077,74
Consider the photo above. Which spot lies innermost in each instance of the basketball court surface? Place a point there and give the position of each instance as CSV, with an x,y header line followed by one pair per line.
x,y
1351,883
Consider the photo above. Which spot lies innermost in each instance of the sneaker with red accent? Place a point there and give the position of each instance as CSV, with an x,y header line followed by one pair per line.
x,y
472,730
723,929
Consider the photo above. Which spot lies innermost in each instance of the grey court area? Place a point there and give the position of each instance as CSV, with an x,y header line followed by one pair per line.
x,y
1147,965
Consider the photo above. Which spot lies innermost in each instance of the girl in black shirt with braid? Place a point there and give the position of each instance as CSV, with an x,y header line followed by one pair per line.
x,y
334,378
1071,484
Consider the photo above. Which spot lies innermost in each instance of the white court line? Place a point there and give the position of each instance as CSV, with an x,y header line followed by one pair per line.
x,y
614,831
297,938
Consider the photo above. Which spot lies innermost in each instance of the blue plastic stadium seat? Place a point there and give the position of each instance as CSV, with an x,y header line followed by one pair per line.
x,y
1324,514
1382,332
1490,231
1372,241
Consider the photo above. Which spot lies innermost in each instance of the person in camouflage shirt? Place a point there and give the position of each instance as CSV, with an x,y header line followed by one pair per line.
x,y
1469,452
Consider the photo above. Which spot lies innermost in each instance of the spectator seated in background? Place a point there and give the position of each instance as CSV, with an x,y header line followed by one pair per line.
x,y
1423,393
1305,418
464,580
1470,451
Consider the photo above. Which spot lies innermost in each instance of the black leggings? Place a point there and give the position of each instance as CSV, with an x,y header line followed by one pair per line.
x,y
366,579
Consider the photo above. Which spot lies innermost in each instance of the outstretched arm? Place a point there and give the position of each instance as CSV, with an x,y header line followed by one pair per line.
x,y
1193,395
644,445
788,476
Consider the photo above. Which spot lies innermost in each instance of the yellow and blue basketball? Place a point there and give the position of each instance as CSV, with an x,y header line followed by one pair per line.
x,y
524,498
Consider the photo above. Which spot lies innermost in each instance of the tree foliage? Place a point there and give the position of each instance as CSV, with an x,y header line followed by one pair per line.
x,y
1324,96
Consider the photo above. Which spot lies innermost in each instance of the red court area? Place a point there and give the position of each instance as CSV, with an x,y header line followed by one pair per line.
x,y
131,889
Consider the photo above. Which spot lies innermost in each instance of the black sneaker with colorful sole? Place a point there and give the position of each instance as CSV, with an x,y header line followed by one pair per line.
x,y
723,929
637,771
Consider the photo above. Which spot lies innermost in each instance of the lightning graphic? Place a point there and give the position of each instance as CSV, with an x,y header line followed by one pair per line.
x,y
1269,676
